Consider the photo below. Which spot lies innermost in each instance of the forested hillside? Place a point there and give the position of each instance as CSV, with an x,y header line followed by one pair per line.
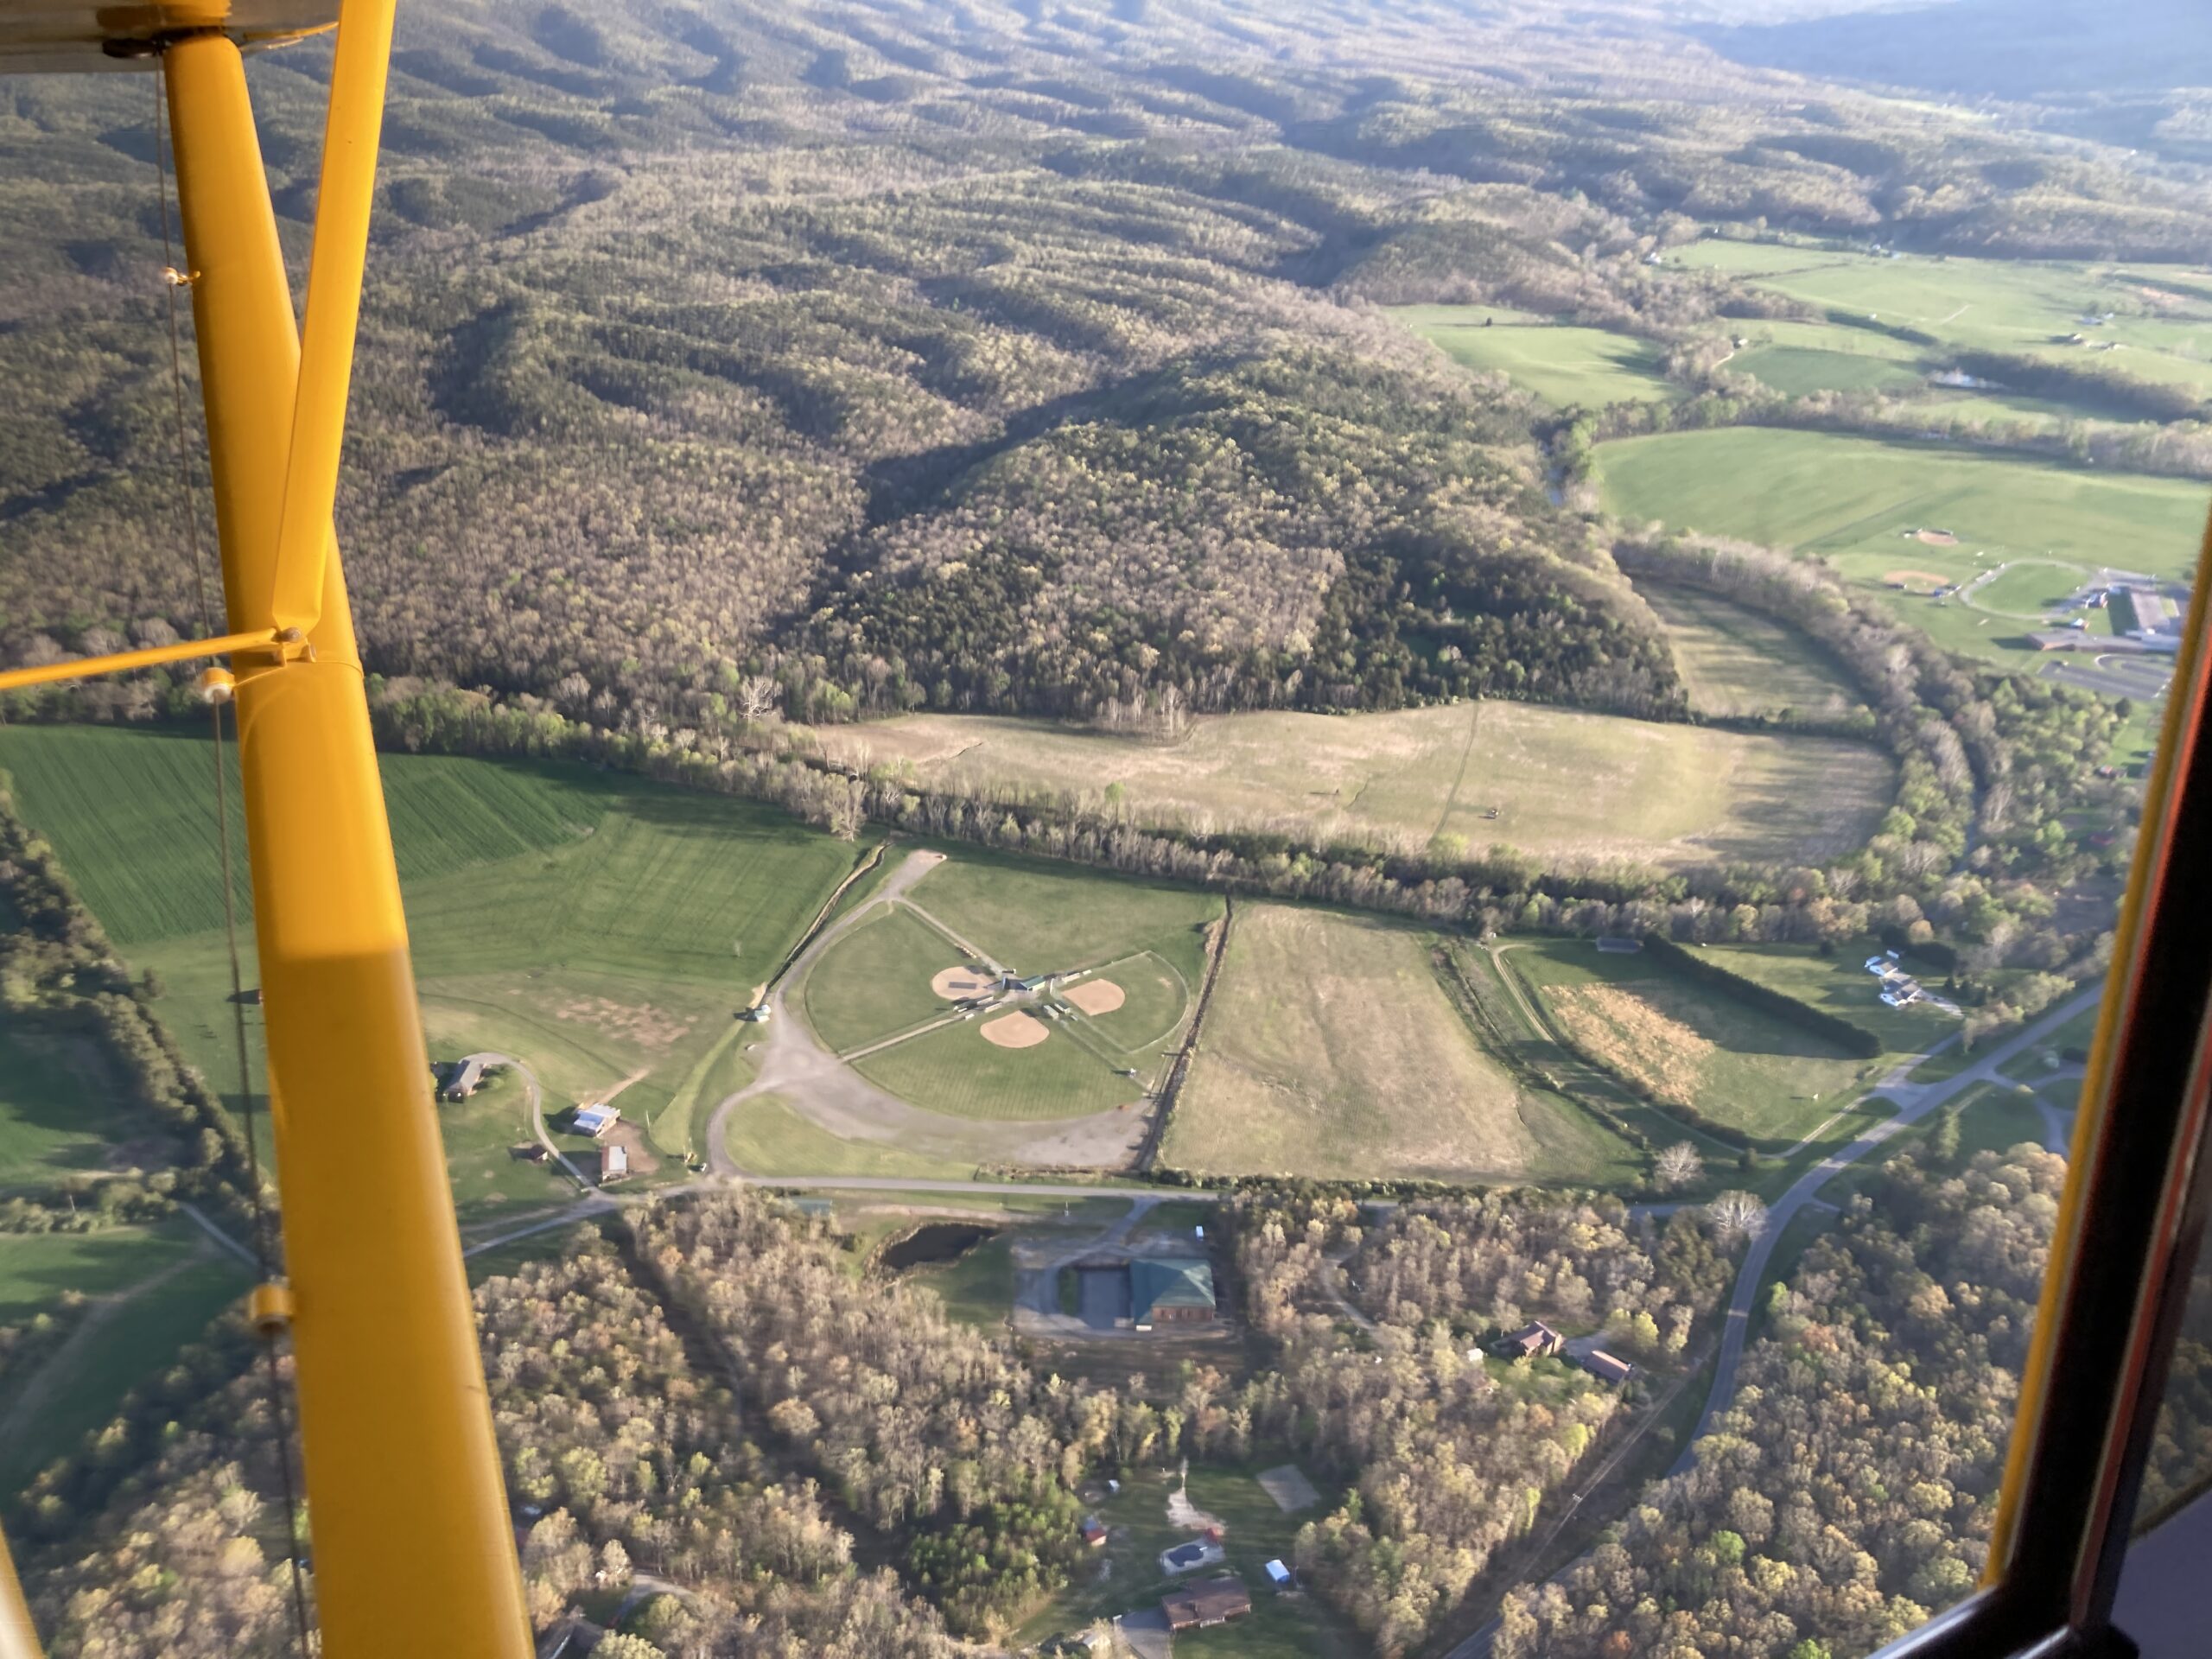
x,y
976,358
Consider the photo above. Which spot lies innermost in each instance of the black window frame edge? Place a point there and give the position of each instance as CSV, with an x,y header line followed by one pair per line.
x,y
2134,1216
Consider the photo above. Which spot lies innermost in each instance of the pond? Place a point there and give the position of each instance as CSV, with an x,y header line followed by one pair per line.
x,y
936,1241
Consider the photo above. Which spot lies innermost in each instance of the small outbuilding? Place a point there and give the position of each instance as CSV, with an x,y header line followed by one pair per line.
x,y
596,1119
613,1162
1280,1576
1606,1369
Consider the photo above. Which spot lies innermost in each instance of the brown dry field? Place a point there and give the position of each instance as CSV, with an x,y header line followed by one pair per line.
x,y
1095,995
1330,1049
1641,1032
1559,784
642,1024
1015,1030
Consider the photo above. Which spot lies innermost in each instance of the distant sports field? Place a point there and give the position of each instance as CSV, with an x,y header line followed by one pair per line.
x,y
1331,1051
600,927
1855,501
885,992
1736,662
1562,365
1553,782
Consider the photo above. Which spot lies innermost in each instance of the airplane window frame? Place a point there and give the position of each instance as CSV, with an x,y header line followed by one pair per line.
x,y
2138,1197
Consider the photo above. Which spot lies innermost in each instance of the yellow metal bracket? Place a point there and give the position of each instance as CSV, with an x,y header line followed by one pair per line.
x,y
266,642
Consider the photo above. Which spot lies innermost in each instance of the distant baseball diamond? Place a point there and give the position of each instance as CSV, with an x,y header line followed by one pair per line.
x,y
1172,1291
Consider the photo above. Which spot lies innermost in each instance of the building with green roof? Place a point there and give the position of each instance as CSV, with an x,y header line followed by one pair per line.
x,y
1170,1290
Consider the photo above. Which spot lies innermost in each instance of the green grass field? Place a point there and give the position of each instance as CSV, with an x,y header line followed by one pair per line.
x,y
479,1134
1797,370
2017,306
1553,782
1735,662
1563,365
978,1288
875,980
956,1071
36,1269
767,1138
1049,919
60,1108
1700,1046
1839,985
1854,501
1330,1049
600,926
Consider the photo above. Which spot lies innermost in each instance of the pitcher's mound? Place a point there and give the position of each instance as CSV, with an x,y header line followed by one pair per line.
x,y
1095,995
956,983
1014,1031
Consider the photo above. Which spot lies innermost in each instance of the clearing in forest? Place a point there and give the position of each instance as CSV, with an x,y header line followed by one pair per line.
x,y
1735,662
1555,783
1692,1044
1331,1051
1563,364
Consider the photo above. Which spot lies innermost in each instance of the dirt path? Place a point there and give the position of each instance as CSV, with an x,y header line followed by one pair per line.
x,y
42,1383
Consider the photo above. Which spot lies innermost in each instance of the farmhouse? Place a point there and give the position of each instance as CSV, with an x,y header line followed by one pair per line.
x,y
1174,1290
1201,1606
1537,1339
596,1119
462,1078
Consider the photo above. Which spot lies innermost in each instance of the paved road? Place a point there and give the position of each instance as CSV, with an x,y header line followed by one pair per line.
x,y
1915,1101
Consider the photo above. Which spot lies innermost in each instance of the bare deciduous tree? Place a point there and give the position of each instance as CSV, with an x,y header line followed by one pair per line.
x,y
1736,1214
1678,1166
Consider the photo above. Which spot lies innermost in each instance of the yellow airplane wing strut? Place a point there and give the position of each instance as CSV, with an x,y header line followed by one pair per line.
x,y
414,1546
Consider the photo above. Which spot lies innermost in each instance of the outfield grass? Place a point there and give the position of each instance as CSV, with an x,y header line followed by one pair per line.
x,y
1691,1042
600,926
61,1107
1853,501
1556,783
768,1138
1038,918
1561,364
1735,662
875,979
1156,996
1331,1051
956,1071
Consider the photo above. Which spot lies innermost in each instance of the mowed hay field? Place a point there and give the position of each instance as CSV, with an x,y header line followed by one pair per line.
x,y
1688,1043
1855,502
1330,1050
1560,363
602,928
1563,784
2020,306
1148,939
1734,662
